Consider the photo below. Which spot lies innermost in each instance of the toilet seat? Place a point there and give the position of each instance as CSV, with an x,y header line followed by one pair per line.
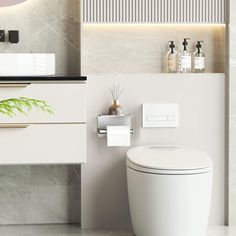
x,y
168,160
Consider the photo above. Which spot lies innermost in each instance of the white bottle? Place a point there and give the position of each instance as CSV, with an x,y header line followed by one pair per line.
x,y
185,59
172,59
199,59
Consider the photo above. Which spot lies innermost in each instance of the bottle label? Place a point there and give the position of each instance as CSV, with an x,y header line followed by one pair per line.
x,y
185,62
199,63
171,64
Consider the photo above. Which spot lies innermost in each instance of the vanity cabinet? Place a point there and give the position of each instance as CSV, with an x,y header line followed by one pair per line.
x,y
40,137
68,102
43,144
154,11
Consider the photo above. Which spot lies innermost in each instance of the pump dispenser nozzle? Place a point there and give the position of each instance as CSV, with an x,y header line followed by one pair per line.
x,y
172,46
199,45
185,43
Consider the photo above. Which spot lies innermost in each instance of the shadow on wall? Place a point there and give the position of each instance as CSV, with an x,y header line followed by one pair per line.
x,y
72,37
110,189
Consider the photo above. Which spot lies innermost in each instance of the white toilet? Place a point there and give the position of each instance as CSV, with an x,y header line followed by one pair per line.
x,y
169,190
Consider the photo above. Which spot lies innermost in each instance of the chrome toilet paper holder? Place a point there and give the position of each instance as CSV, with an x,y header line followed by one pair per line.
x,y
113,120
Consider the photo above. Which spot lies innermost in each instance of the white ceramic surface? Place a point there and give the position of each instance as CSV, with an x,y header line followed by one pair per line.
x,y
5,3
170,205
169,158
27,64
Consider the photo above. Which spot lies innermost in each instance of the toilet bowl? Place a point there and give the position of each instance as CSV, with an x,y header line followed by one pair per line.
x,y
169,190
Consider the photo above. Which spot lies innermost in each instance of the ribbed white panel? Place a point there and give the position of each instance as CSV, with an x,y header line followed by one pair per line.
x,y
154,11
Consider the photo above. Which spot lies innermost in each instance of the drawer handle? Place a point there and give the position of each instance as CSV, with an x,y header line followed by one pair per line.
x,y
11,126
14,85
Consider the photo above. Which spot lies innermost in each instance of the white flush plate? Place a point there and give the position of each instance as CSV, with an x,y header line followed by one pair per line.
x,y
27,64
162,115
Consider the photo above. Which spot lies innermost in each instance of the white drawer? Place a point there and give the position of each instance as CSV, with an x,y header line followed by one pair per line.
x,y
43,144
68,102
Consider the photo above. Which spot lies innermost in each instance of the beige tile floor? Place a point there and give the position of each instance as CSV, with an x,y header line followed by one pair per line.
x,y
59,230
72,230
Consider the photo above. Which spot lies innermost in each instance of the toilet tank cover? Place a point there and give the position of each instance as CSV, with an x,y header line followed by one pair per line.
x,y
169,158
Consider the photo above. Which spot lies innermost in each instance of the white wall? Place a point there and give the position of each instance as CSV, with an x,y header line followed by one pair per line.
x,y
232,112
201,99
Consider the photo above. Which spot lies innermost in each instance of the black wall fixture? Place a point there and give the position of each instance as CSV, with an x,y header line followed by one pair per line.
x,y
13,36
2,36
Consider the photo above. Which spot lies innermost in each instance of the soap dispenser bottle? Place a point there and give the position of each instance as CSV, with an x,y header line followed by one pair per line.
x,y
199,59
185,59
171,59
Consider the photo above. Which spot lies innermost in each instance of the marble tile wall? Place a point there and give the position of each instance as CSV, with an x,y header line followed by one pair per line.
x,y
42,194
46,26
39,194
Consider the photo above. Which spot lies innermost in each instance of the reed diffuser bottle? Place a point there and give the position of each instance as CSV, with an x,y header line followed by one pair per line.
x,y
115,108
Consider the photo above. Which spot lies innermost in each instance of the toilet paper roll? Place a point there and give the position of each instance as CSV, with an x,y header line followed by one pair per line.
x,y
118,136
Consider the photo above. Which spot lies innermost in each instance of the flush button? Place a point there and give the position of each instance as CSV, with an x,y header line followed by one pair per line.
x,y
171,118
157,118
163,115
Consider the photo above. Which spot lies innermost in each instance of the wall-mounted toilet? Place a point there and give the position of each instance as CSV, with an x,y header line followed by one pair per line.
x,y
169,190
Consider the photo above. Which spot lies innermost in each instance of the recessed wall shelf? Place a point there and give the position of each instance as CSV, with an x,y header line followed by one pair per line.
x,y
186,76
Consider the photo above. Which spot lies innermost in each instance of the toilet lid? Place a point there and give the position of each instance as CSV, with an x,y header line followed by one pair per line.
x,y
169,158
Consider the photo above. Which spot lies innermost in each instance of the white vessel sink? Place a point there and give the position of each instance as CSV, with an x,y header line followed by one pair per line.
x,y
27,64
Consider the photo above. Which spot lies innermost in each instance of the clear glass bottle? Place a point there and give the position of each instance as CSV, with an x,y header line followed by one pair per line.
x,y
199,59
171,59
185,59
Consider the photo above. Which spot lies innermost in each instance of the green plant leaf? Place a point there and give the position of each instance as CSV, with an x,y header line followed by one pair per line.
x,y
23,105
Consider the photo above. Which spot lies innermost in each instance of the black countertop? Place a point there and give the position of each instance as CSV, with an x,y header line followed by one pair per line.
x,y
42,78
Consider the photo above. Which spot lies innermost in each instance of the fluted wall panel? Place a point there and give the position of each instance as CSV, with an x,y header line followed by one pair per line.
x,y
153,11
